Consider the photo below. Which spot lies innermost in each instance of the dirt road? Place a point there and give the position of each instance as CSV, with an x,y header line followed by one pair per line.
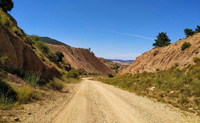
x,y
95,102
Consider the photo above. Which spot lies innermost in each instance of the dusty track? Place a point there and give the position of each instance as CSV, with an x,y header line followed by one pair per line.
x,y
95,102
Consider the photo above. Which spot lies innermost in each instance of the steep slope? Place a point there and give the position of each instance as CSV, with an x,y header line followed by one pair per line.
x,y
16,50
165,57
80,58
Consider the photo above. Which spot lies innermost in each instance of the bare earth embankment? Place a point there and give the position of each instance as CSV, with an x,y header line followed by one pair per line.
x,y
95,102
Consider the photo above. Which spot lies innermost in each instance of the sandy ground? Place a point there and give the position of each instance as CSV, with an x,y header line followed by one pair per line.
x,y
95,102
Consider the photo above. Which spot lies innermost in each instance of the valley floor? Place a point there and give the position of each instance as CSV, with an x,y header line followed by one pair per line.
x,y
95,102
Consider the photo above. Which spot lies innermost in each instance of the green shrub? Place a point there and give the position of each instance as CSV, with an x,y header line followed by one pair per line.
x,y
17,31
56,57
157,69
26,95
195,86
185,45
56,84
32,78
34,38
196,59
110,75
42,47
183,99
59,56
7,94
4,20
73,74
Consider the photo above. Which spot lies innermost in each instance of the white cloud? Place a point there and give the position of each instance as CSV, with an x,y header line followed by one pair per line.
x,y
133,35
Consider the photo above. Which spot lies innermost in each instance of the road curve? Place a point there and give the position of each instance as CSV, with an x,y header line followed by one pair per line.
x,y
95,102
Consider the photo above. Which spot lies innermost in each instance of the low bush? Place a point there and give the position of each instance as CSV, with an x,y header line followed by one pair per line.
x,y
110,75
34,38
7,94
26,95
17,31
185,46
4,20
42,47
59,56
56,84
196,60
32,78
73,74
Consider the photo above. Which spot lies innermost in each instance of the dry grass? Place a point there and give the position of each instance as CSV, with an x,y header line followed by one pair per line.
x,y
177,87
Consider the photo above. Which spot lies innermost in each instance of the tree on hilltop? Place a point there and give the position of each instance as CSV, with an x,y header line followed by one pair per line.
x,y
197,29
162,40
189,32
6,5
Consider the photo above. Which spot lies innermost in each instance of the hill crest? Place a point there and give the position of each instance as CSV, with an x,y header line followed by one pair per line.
x,y
165,57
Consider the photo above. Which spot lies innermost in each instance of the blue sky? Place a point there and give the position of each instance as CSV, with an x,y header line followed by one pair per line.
x,y
116,29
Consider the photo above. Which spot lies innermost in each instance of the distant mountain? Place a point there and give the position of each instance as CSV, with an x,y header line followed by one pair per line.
x,y
115,67
52,41
122,62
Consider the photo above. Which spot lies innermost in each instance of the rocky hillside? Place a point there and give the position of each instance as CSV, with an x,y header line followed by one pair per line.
x,y
16,50
82,59
165,57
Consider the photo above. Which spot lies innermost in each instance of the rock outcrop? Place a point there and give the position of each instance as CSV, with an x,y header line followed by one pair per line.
x,y
165,57
19,55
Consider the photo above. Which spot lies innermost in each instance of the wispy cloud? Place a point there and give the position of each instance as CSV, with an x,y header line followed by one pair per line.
x,y
127,56
133,35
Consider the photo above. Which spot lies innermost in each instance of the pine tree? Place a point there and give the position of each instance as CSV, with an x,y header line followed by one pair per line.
x,y
197,29
6,5
189,32
162,40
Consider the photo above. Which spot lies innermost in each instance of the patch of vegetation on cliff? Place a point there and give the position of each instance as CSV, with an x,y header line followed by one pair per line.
x,y
7,95
51,41
10,95
5,21
185,45
177,87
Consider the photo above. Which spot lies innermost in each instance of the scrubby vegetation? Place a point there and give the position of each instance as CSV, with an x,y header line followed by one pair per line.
x,y
51,41
10,96
5,21
56,84
42,47
185,45
177,87
190,32
26,95
73,74
7,95
33,82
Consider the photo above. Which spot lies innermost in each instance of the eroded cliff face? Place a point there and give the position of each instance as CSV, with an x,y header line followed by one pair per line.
x,y
19,55
165,57
80,58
